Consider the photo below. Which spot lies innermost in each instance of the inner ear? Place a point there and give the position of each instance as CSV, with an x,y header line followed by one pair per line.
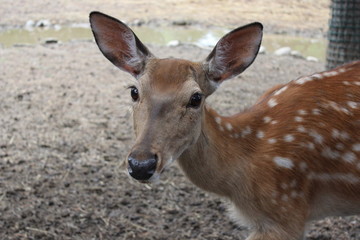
x,y
234,52
119,43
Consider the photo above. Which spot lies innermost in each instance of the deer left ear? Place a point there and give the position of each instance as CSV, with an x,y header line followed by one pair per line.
x,y
234,52
119,43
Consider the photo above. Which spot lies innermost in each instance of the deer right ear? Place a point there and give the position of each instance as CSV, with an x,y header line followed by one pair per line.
x,y
234,52
119,43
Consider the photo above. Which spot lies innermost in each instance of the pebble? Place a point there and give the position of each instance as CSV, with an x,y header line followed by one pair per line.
x,y
173,43
296,54
51,41
43,23
312,59
29,25
283,51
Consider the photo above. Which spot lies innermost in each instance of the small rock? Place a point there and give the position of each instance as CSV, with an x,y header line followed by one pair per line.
x,y
51,41
181,23
173,43
262,50
296,54
57,27
43,23
283,51
29,25
138,22
312,59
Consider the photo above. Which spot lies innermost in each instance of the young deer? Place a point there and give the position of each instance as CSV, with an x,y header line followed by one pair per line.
x,y
291,158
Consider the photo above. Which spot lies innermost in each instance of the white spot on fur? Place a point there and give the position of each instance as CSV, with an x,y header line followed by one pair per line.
x,y
302,112
317,137
340,146
335,133
293,194
345,110
308,145
330,74
341,70
317,76
356,147
301,129
316,111
346,83
246,131
311,146
218,120
284,186
284,162
221,128
267,119
285,197
303,80
274,122
289,138
272,103
272,140
280,90
329,153
228,126
260,134
298,119
352,104
349,157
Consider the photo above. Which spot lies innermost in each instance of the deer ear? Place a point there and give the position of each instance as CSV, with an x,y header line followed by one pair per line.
x,y
234,52
119,43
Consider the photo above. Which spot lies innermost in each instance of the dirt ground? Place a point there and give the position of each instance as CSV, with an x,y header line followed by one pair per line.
x,y
65,125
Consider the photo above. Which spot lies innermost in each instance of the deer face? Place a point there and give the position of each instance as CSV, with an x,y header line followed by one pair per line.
x,y
167,110
169,94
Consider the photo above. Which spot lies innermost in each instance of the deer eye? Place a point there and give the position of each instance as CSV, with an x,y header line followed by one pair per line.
x,y
195,100
134,93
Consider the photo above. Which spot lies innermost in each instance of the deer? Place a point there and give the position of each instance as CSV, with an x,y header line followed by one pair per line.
x,y
291,158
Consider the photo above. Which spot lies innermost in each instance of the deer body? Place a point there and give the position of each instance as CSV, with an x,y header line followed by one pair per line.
x,y
291,158
286,156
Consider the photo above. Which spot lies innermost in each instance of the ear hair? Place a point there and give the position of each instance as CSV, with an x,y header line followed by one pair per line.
x,y
234,52
119,43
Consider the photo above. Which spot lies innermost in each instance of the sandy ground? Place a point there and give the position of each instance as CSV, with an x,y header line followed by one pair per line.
x,y
281,16
66,127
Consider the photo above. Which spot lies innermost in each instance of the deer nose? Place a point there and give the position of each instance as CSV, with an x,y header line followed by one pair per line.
x,y
142,166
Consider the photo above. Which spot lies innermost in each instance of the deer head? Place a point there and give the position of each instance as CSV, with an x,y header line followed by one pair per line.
x,y
169,94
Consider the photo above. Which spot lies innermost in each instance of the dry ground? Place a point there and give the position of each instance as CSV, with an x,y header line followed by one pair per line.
x,y
65,127
289,16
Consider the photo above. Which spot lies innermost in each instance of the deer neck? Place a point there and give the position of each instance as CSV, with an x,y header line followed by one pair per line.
x,y
217,162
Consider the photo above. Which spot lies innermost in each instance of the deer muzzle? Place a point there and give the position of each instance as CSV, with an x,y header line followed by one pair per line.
x,y
142,166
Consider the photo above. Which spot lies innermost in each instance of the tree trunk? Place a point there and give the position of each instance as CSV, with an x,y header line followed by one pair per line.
x,y
344,33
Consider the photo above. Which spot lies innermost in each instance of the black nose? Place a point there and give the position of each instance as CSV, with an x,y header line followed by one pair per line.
x,y
142,167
